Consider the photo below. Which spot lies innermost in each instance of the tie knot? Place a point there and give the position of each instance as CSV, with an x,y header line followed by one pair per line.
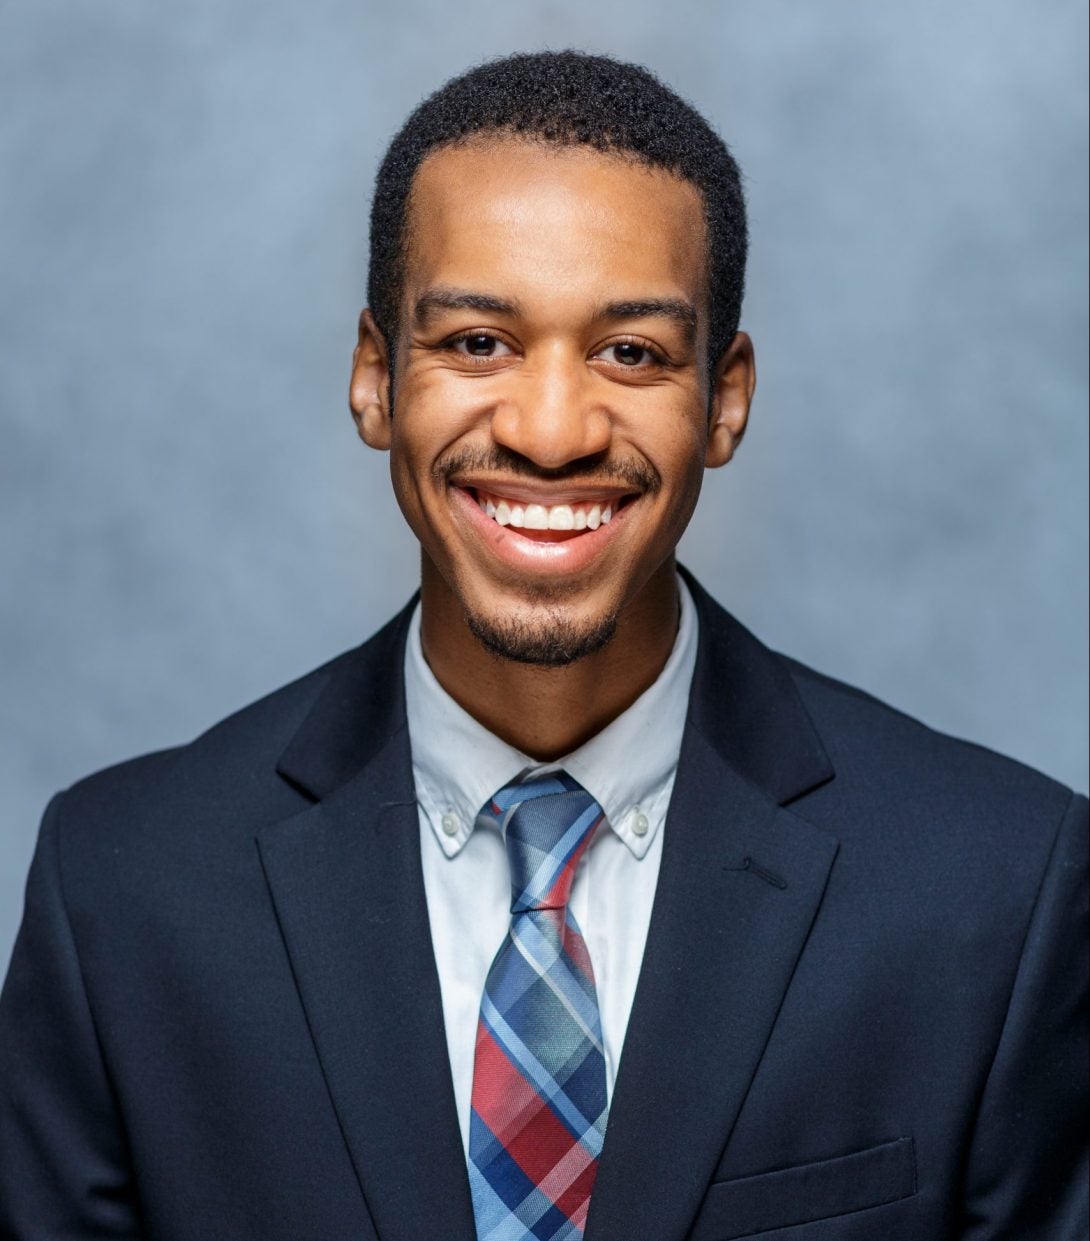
x,y
546,821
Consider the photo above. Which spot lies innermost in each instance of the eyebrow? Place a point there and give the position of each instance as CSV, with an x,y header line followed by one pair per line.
x,y
676,309
442,298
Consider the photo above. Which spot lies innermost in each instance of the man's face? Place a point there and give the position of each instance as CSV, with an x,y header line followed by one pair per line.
x,y
551,424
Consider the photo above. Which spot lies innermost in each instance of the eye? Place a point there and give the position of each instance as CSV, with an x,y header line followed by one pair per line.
x,y
629,354
480,345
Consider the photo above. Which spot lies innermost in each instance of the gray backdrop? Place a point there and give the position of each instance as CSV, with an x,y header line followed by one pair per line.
x,y
188,519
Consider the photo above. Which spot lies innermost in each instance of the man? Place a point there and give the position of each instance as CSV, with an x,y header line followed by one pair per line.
x,y
562,907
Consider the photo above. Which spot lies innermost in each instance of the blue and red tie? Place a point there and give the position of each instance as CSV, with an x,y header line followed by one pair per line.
x,y
539,1077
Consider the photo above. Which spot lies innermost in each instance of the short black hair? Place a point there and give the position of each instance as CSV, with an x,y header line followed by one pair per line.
x,y
568,98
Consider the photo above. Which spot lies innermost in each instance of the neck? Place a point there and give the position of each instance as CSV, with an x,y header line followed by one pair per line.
x,y
548,712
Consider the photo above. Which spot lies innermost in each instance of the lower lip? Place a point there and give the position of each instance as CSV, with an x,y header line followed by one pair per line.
x,y
510,546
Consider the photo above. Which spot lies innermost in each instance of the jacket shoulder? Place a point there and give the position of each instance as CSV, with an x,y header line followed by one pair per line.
x,y
229,770
899,760
261,764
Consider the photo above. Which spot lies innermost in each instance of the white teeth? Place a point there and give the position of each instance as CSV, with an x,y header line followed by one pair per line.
x,y
537,518
546,516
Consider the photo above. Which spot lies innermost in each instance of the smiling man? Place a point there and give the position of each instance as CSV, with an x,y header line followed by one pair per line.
x,y
556,409
562,907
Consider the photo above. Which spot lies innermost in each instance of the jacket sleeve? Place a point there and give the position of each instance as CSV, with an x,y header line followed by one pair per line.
x,y
64,1170
1027,1170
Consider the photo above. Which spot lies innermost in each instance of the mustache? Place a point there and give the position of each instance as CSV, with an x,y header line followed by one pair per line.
x,y
633,475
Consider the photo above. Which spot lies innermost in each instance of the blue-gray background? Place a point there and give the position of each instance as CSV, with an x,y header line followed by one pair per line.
x,y
188,519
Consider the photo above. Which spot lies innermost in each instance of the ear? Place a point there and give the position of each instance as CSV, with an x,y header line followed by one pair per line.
x,y
733,382
369,388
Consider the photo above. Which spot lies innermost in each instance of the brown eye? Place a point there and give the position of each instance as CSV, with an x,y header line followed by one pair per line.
x,y
628,354
481,345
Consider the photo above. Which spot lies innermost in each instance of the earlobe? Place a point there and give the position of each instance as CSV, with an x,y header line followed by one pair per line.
x,y
369,388
733,384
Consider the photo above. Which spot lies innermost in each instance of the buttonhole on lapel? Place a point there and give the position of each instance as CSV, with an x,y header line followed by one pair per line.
x,y
767,875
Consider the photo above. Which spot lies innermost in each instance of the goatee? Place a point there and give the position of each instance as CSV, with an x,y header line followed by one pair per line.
x,y
549,641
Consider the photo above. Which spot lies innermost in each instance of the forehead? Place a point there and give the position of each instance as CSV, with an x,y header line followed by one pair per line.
x,y
555,220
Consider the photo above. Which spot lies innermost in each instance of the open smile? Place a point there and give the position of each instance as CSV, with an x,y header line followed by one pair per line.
x,y
531,528
536,516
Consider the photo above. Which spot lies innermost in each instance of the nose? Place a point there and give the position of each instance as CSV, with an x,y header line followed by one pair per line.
x,y
551,414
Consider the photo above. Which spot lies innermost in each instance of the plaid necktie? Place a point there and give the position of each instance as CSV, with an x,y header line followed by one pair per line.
x,y
539,1080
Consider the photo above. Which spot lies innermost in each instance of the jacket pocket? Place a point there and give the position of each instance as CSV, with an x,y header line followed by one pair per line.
x,y
807,1192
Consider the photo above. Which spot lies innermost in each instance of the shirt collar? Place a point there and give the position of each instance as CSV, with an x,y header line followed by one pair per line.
x,y
627,768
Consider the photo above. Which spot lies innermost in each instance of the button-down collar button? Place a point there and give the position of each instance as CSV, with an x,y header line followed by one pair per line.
x,y
640,824
449,823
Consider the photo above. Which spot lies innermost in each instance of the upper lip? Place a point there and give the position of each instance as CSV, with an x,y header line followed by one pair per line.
x,y
531,491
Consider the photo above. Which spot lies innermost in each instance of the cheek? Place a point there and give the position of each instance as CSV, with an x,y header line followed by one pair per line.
x,y
674,441
425,422
434,408
429,420
678,455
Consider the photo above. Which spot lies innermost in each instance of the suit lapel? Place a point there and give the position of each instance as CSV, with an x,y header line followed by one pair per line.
x,y
740,884
346,883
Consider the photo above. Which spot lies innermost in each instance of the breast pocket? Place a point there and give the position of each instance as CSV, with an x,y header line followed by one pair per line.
x,y
807,1192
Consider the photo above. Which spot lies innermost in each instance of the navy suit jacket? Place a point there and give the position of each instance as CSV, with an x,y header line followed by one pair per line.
x,y
860,1014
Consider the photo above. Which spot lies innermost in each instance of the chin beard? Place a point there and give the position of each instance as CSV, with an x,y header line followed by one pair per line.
x,y
550,641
